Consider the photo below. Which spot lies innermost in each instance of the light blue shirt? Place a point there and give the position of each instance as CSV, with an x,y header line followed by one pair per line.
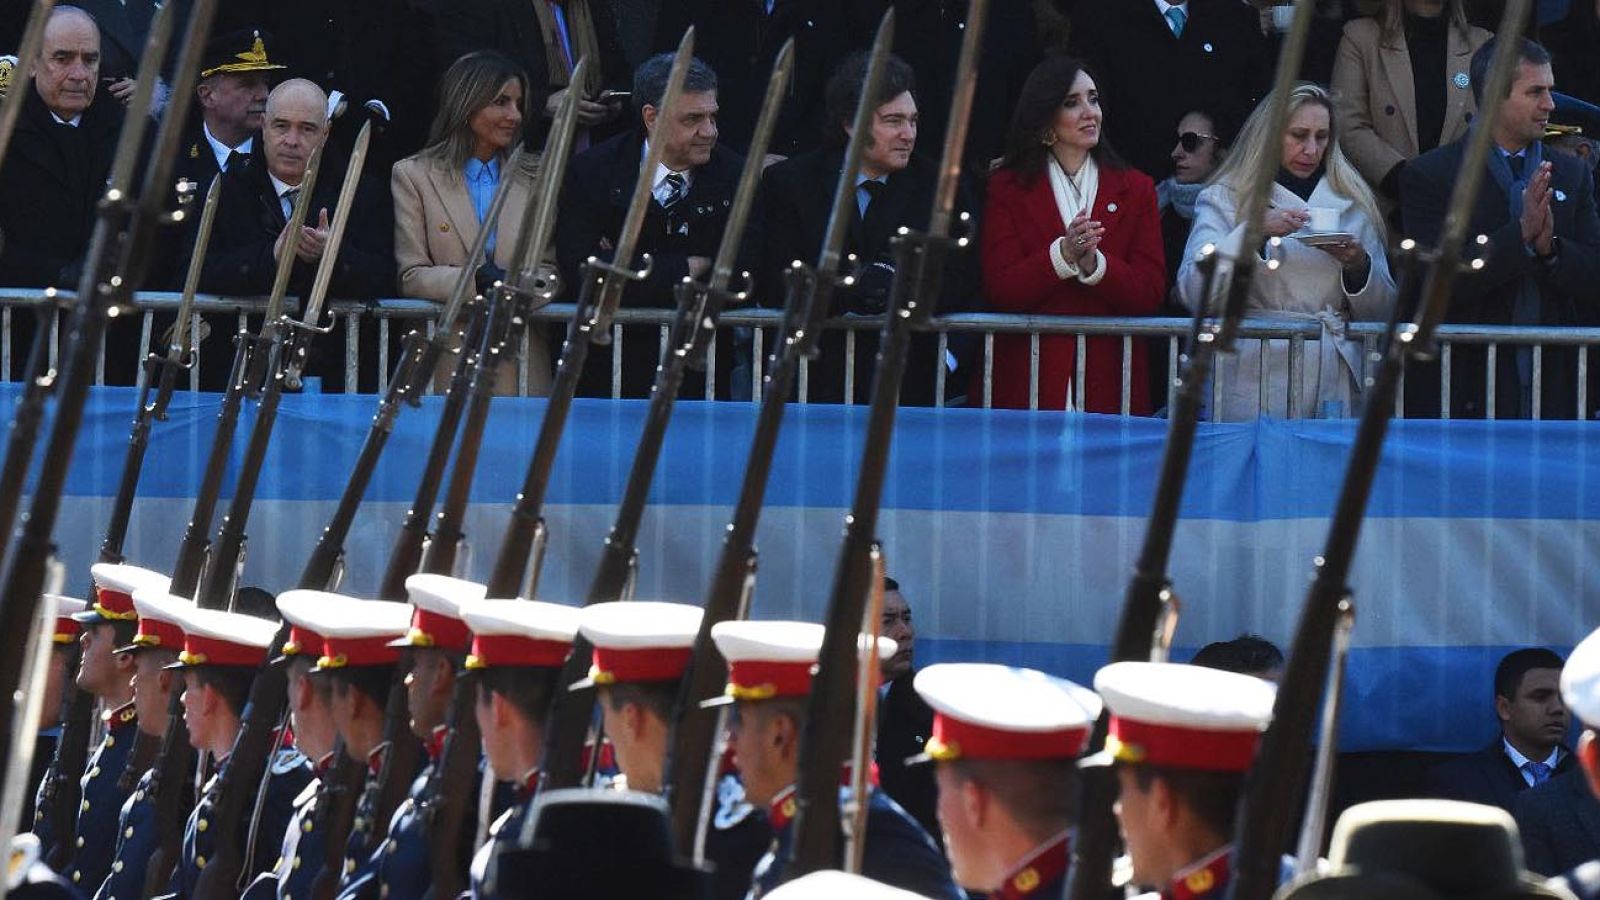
x,y
1518,760
482,179
862,197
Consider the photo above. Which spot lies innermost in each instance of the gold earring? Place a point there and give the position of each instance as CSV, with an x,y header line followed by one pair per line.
x,y
1049,139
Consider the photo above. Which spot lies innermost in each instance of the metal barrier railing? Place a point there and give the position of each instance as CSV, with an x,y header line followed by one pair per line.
x,y
755,329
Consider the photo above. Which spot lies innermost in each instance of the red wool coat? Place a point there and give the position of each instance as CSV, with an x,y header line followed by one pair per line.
x,y
1020,223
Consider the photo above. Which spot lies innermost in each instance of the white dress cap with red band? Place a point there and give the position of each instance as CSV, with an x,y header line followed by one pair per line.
x,y
438,620
519,633
831,884
768,659
212,637
114,587
1580,681
638,641
351,631
1183,716
67,628
990,711
161,620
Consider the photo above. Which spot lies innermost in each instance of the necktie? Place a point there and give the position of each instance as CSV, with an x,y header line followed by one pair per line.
x,y
673,188
236,161
288,202
1538,771
1516,163
874,191
1175,19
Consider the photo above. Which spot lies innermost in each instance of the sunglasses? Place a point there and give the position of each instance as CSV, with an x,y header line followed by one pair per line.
x,y
1190,140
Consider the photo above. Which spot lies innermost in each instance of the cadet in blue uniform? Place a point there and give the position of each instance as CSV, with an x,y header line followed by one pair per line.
x,y
1006,743
66,633
221,654
307,655
1182,738
641,651
518,649
769,679
436,645
109,623
1580,688
156,646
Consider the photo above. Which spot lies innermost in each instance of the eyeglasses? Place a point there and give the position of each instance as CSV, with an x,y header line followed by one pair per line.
x,y
1190,140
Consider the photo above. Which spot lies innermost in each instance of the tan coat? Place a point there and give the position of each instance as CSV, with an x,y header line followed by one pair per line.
x,y
434,228
1375,96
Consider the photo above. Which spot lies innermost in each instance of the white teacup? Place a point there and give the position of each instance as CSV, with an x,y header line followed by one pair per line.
x,y
1323,219
1282,18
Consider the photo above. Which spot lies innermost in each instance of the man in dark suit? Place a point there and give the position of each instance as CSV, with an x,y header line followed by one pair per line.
x,y
692,193
1543,261
1155,61
905,720
1580,688
1559,822
1528,750
252,222
895,188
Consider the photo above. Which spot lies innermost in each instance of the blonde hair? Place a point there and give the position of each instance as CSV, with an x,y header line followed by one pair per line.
x,y
470,84
1255,146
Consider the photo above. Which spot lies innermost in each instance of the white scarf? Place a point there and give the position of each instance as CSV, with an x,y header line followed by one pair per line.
x,y
1074,194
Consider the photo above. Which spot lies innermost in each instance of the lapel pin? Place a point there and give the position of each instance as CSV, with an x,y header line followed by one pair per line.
x,y
445,227
1208,48
1561,196
1462,81
1111,207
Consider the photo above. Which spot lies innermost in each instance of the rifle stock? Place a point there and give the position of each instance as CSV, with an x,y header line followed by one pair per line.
x,y
62,792
1277,784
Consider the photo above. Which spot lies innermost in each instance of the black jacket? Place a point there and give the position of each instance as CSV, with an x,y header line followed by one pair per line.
x,y
798,195
905,722
1559,822
1148,79
1486,776
1567,288
594,202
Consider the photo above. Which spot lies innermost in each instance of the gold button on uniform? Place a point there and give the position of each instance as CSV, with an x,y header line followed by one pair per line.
x,y
201,825
306,826
116,866
199,862
296,864
94,772
128,832
77,877
84,806
110,741
80,842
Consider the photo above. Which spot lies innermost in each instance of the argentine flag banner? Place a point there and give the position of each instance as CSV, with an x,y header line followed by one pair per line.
x,y
1012,533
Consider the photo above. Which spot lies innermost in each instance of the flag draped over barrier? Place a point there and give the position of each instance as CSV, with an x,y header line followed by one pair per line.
x,y
1012,533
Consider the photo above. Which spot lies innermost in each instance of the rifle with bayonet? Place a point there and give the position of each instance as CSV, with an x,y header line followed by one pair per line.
x,y
699,306
114,267
1277,785
695,729
1149,605
386,791
285,357
61,791
825,739
448,794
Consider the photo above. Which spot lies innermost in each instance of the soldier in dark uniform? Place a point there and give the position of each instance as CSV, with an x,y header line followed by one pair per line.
x,y
222,652
518,649
66,633
769,679
1006,742
692,192
399,867
641,651
1182,738
1580,688
304,846
155,647
107,624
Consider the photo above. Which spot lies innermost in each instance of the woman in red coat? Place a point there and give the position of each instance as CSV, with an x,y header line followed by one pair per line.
x,y
1068,229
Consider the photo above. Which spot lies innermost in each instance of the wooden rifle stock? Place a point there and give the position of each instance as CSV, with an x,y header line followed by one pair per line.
x,y
825,738
1277,784
115,265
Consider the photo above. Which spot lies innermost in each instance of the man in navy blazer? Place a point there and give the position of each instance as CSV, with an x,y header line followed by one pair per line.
x,y
1528,751
1543,259
1560,824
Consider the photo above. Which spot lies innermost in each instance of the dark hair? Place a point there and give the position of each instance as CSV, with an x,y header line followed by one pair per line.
x,y
122,631
889,584
301,665
650,79
1041,795
1249,654
254,601
1226,119
231,682
529,688
655,697
373,681
1047,85
1527,52
1212,797
843,93
1517,663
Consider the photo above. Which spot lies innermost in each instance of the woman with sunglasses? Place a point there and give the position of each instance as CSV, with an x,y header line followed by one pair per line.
x,y
1325,234
1402,86
1069,229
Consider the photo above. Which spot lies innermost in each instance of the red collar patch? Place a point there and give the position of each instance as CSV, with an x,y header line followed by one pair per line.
x,y
1044,866
1206,878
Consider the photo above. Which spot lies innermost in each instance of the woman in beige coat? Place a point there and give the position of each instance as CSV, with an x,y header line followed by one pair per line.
x,y
442,194
1401,86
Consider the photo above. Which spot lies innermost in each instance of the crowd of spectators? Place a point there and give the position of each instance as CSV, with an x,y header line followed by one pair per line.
x,y
1107,143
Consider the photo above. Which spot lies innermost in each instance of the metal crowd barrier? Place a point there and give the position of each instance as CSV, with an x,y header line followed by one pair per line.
x,y
759,327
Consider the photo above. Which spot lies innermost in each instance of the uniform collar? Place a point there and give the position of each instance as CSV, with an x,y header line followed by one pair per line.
x,y
780,812
221,150
1205,877
121,717
1044,866
435,746
528,786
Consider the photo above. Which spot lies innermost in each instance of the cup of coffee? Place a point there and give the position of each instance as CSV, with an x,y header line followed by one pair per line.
x,y
1282,18
1323,219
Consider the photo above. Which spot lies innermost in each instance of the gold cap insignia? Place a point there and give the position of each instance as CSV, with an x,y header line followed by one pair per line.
x,y
252,60
8,71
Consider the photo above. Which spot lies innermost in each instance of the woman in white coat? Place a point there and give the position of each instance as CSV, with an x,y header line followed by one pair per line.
x,y
1330,253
